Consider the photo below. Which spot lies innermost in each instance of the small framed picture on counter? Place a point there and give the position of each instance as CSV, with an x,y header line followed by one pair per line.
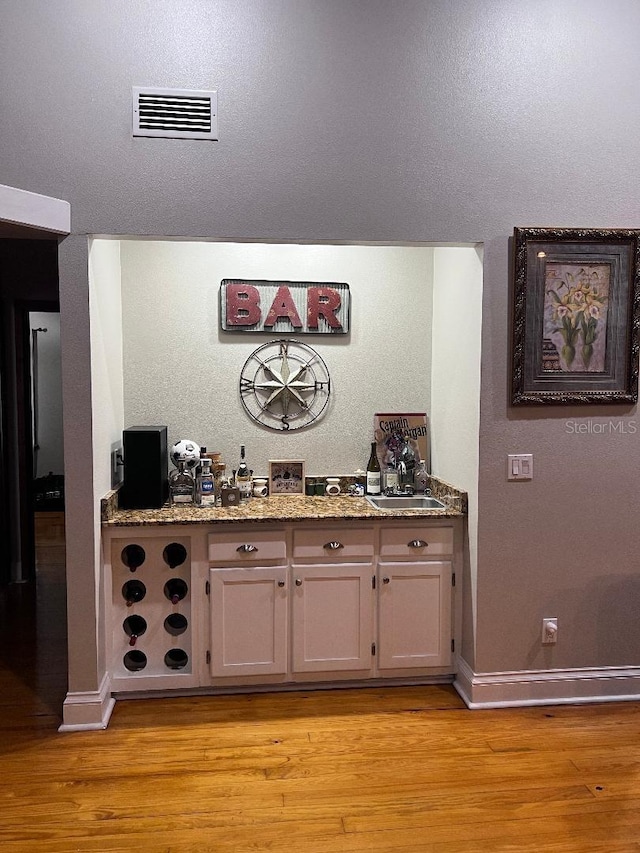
x,y
286,477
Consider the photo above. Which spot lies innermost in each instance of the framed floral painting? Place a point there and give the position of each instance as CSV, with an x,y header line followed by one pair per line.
x,y
576,316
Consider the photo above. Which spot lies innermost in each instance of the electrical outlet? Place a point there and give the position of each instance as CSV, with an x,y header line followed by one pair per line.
x,y
117,464
549,631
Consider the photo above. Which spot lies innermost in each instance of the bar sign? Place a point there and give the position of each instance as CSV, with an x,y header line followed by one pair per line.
x,y
301,307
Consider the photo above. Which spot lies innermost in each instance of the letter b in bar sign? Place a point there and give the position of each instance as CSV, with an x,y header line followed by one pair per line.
x,y
300,307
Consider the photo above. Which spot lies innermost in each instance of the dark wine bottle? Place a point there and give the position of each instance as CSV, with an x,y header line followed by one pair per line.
x,y
133,556
133,591
174,554
134,627
175,590
243,477
373,472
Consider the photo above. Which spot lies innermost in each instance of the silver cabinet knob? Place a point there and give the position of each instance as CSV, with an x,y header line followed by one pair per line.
x,y
246,549
418,543
280,583
298,581
333,546
386,580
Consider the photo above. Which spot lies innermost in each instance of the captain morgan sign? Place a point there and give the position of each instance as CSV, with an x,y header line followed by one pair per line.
x,y
302,307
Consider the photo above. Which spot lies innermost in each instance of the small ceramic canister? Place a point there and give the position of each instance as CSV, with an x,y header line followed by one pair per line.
x,y
333,486
260,489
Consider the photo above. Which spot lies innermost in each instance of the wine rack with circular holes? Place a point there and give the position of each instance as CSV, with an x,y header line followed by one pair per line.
x,y
151,605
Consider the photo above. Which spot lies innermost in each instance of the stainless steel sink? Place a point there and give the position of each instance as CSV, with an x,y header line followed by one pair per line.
x,y
405,502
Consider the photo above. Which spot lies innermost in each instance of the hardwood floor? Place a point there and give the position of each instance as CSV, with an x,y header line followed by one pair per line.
x,y
408,770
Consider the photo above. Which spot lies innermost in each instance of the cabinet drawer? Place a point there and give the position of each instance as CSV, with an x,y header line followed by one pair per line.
x,y
329,544
237,548
415,542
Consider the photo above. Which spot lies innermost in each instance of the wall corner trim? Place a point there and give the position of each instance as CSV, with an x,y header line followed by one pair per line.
x,y
88,711
546,687
20,207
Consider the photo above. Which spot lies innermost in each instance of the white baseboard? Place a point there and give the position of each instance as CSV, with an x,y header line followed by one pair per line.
x,y
88,711
546,686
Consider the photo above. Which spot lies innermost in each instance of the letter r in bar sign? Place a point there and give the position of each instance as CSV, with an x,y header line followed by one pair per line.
x,y
299,307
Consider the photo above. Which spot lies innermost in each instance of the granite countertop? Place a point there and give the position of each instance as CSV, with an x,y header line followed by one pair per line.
x,y
281,508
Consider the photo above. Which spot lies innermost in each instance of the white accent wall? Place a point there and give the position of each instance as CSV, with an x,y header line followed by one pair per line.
x,y
455,390
180,369
105,306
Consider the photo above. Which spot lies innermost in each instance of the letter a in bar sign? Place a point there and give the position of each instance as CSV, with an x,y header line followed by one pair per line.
x,y
301,307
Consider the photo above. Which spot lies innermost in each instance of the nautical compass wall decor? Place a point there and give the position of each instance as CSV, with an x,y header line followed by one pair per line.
x,y
285,385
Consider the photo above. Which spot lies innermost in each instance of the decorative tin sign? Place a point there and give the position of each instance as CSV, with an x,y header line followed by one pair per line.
x,y
301,307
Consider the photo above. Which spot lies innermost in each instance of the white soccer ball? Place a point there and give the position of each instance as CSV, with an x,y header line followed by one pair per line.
x,y
187,451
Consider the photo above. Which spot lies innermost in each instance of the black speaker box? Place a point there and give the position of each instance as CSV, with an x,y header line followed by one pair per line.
x,y
146,459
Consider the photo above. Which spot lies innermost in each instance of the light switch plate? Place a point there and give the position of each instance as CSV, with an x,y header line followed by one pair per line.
x,y
520,466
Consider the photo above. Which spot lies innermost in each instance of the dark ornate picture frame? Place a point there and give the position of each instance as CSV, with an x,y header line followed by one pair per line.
x,y
576,316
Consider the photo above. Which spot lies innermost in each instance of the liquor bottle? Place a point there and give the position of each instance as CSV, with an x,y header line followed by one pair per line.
x,y
373,472
133,591
243,477
205,486
134,627
133,556
174,555
175,590
182,485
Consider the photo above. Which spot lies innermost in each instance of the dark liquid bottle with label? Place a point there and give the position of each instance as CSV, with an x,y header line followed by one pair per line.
x,y
133,591
243,477
373,472
134,627
175,590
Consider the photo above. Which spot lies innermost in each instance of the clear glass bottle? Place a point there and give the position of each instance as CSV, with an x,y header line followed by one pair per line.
x,y
421,477
181,485
391,478
205,485
373,472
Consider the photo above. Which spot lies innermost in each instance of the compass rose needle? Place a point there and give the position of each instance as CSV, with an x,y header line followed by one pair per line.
x,y
300,385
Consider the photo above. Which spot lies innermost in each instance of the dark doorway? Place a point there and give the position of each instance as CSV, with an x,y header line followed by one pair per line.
x,y
28,283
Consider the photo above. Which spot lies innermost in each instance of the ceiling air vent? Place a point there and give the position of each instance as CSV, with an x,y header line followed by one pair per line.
x,y
175,113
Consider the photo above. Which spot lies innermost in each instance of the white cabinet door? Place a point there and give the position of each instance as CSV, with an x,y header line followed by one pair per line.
x,y
332,618
414,616
248,621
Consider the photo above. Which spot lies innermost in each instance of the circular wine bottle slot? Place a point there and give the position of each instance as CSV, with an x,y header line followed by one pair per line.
x,y
174,555
133,556
176,659
175,590
134,626
133,591
135,660
175,624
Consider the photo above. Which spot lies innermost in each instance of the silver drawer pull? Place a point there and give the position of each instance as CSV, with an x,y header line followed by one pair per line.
x,y
298,581
246,549
333,546
418,543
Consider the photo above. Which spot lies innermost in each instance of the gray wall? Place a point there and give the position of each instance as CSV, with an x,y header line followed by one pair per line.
x,y
374,120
